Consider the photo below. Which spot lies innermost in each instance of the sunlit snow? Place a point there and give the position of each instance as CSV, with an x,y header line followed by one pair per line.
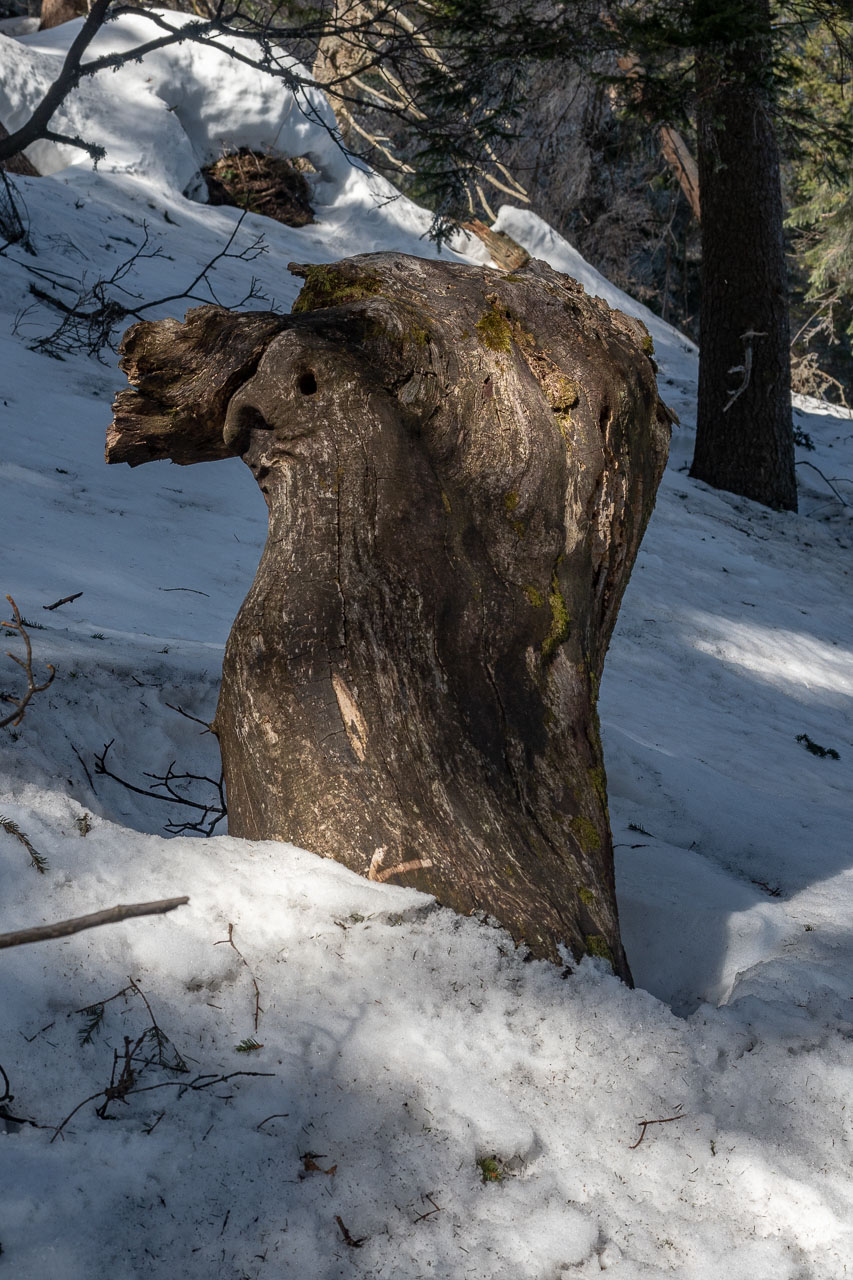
x,y
396,1043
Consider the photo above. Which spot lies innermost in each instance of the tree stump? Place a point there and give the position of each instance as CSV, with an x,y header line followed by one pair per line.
x,y
458,467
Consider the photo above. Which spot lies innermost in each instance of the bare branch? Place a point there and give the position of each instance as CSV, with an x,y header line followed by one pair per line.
x,y
63,928
26,663
644,1124
826,480
163,788
64,600
91,318
230,940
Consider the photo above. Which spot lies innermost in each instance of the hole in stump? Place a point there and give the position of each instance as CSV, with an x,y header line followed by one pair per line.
x,y
307,383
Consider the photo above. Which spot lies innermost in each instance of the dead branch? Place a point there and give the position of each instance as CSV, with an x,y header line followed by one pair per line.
x,y
62,928
745,369
72,71
436,1208
7,1097
675,150
826,480
26,663
348,1239
212,811
64,600
90,319
85,769
205,724
230,940
197,1085
644,1124
277,1115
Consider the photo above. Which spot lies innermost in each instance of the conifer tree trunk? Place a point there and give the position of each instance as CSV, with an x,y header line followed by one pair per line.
x,y
744,433
458,467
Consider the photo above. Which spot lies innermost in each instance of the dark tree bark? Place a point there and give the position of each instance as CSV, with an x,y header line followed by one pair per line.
x,y
55,12
18,163
744,432
458,468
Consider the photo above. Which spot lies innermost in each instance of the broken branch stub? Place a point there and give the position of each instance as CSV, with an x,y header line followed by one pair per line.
x,y
458,468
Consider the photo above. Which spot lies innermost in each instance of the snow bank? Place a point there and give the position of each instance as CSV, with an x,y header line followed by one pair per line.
x,y
397,1043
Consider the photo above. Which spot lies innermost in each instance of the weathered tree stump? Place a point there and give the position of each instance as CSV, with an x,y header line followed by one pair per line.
x,y
458,466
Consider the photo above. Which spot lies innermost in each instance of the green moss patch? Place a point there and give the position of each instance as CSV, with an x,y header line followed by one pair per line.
x,y
560,620
596,945
598,780
490,1169
586,834
326,286
563,393
494,330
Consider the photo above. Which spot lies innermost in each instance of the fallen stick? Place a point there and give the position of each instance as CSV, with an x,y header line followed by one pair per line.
x,y
644,1124
62,928
64,600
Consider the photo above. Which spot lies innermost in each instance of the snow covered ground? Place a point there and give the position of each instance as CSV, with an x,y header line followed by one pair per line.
x,y
398,1045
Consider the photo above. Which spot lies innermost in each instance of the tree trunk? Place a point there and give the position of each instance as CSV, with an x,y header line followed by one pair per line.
x,y
458,468
673,146
744,433
55,12
18,163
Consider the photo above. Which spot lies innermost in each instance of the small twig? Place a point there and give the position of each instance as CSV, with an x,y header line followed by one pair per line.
x,y
277,1115
187,716
62,928
191,590
90,319
212,813
121,1090
348,1239
232,944
436,1208
99,1004
134,986
85,769
826,480
644,1124
26,663
64,600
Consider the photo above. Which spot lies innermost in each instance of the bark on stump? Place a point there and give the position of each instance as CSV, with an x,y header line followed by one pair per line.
x,y
458,467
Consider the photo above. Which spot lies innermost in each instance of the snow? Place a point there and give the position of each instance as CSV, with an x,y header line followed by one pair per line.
x,y
399,1043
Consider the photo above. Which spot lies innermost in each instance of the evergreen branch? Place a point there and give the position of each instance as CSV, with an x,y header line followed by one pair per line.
x,y
38,860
